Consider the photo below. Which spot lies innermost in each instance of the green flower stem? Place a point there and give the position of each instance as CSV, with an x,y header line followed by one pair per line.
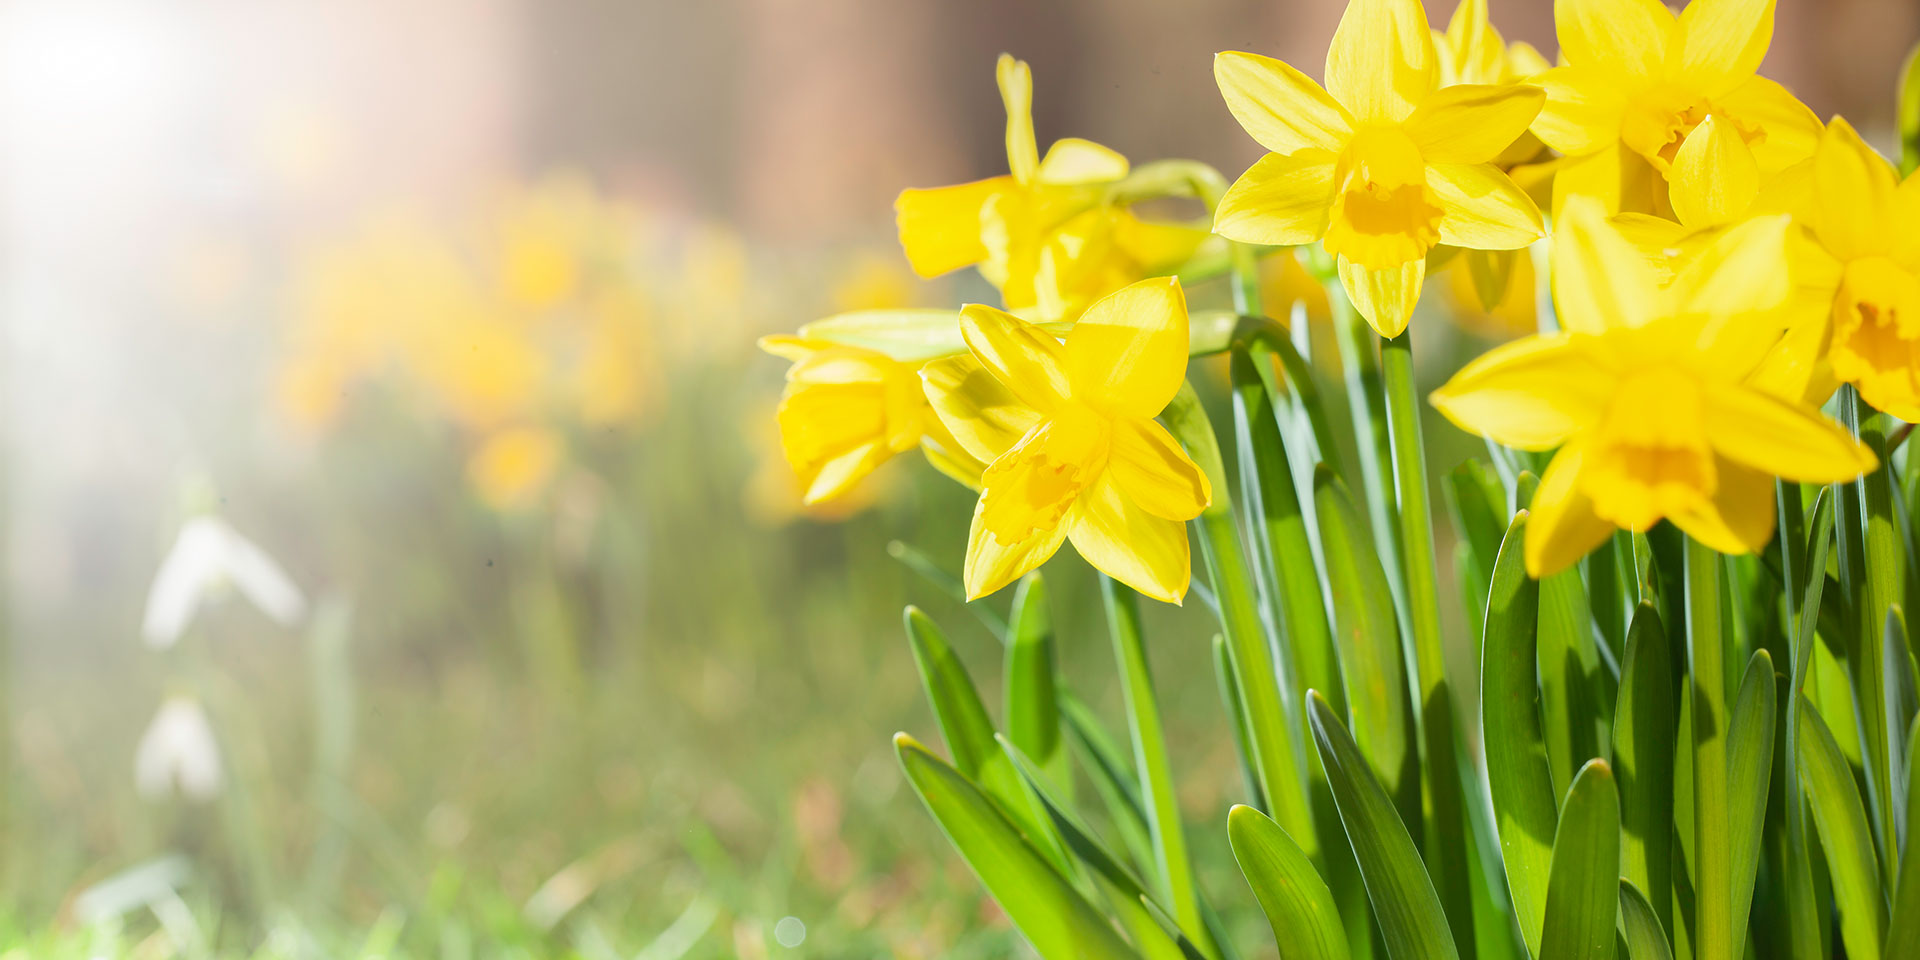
x,y
1175,871
1879,579
1366,402
1275,762
1707,682
1445,840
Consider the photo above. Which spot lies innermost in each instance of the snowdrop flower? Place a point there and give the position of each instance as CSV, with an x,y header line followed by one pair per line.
x,y
178,750
208,557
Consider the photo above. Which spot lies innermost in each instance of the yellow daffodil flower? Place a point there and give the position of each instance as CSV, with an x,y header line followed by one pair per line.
x,y
1860,255
1074,451
846,410
1382,164
513,466
1644,394
1044,234
1638,86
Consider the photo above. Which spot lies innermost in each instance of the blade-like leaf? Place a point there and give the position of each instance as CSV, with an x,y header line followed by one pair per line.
x,y
1368,638
1412,922
1517,774
1749,768
1903,928
1845,837
1646,940
1805,919
1712,839
1643,740
1900,702
1113,779
1049,912
1583,895
1298,904
1033,709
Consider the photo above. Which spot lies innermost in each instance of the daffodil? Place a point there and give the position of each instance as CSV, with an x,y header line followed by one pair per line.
x,y
513,466
1045,233
1644,394
1073,449
1638,85
1381,165
847,410
1860,255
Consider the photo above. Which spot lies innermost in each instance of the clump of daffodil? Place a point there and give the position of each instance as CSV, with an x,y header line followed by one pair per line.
x,y
1382,164
1638,84
847,410
1860,257
1072,447
1645,396
1046,233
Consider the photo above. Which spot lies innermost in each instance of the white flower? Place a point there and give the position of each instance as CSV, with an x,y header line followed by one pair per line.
x,y
178,750
209,556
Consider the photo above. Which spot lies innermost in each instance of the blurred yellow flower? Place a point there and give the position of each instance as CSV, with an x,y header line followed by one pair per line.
x,y
873,282
1644,394
513,466
1382,164
1044,234
1073,447
1639,84
846,410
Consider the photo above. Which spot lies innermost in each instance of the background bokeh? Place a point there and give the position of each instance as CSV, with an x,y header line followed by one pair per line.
x,y
449,305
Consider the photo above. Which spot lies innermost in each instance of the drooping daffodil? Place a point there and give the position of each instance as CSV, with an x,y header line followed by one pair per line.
x,y
1639,82
848,409
1382,164
1644,394
1073,450
1046,233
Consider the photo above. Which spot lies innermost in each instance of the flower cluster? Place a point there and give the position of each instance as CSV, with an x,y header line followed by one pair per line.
x,y
1719,264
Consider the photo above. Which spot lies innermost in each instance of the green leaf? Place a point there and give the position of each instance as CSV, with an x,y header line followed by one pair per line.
x,y
1646,940
1574,698
969,732
1033,708
916,560
1583,895
1900,703
1903,930
1124,892
1712,840
1517,774
1806,922
1749,767
1368,638
1174,872
1299,906
1236,714
1043,905
1412,922
1845,837
1113,779
1644,731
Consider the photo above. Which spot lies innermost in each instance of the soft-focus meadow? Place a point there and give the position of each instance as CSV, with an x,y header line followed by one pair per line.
x,y
450,310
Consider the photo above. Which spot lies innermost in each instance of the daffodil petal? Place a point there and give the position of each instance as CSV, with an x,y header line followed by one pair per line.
x,y
1743,274
1281,200
1073,161
1792,130
1906,209
1796,369
1123,541
1739,519
1724,42
1625,37
1385,297
1016,94
1783,439
1154,473
1599,280
1714,178
992,564
1583,110
1473,123
947,456
940,227
1617,177
1280,107
1532,394
982,416
1380,64
787,346
1853,194
1018,354
839,474
1157,247
1482,208
1561,526
1128,351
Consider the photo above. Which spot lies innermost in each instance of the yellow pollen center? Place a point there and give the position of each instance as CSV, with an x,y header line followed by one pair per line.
x,y
1651,458
1384,214
1029,490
